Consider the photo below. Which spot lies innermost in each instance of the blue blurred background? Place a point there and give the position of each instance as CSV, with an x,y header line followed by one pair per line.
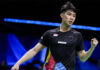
x,y
18,36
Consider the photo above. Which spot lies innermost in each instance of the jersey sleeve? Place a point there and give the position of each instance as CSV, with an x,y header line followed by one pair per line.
x,y
80,43
45,39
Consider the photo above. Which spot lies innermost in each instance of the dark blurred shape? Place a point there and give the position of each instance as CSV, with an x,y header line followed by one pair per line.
x,y
35,65
98,64
4,66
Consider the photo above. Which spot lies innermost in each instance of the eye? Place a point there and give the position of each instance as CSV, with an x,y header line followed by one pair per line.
x,y
69,13
74,15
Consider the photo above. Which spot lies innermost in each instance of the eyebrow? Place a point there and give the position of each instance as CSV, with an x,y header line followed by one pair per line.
x,y
72,12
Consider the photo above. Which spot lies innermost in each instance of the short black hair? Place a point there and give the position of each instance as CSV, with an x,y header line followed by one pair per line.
x,y
68,6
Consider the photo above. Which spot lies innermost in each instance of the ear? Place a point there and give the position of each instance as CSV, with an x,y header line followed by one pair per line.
x,y
61,15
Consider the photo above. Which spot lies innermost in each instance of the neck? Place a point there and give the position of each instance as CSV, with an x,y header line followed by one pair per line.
x,y
64,27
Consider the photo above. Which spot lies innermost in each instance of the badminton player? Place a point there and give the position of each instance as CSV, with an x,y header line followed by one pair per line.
x,y
63,43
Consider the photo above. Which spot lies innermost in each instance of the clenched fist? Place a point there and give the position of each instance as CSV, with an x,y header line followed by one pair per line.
x,y
94,42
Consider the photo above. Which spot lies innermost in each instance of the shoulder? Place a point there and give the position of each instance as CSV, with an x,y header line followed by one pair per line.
x,y
77,33
51,31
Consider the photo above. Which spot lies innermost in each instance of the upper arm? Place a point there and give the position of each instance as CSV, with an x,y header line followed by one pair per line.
x,y
38,47
44,40
80,44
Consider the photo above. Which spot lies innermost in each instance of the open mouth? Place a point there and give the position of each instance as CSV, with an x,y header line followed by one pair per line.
x,y
70,22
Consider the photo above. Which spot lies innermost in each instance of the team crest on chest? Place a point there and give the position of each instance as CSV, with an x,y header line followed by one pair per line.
x,y
55,34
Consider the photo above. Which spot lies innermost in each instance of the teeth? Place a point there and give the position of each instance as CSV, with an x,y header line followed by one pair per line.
x,y
70,22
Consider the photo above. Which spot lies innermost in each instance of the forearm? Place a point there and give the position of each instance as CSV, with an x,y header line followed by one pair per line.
x,y
31,53
87,54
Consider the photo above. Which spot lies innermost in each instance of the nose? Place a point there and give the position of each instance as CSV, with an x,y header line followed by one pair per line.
x,y
71,18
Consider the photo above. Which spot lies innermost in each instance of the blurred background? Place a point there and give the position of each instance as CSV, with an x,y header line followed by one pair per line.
x,y
22,22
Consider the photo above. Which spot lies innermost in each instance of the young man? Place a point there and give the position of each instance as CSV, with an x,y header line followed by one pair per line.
x,y
63,43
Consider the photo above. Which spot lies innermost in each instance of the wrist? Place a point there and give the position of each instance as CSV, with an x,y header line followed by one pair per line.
x,y
92,47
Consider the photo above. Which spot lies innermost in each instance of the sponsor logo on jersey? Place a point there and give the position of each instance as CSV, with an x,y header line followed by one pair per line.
x,y
62,42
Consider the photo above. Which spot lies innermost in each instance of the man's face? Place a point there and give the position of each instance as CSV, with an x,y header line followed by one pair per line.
x,y
69,17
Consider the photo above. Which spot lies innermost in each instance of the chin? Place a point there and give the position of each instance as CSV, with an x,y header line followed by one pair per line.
x,y
69,24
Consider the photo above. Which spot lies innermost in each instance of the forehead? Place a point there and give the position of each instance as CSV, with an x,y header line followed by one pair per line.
x,y
70,11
